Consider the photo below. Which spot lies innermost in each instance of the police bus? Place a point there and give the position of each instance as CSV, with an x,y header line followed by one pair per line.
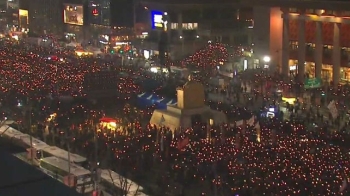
x,y
111,183
59,169
63,154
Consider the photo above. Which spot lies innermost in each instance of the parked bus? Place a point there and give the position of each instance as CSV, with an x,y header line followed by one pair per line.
x,y
63,154
59,169
35,143
37,147
10,132
112,184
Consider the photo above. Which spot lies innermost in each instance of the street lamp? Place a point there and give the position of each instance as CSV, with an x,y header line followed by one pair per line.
x,y
182,45
28,109
266,59
194,42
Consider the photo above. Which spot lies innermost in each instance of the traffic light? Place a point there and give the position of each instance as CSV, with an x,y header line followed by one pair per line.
x,y
112,51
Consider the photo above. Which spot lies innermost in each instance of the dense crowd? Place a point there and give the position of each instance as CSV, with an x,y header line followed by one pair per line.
x,y
268,157
272,157
27,69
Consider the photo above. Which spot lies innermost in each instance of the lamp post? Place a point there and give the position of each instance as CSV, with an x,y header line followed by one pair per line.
x,y
28,109
266,60
194,42
182,45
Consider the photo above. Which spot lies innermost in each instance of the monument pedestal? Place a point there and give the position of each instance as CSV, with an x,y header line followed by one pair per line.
x,y
174,117
190,105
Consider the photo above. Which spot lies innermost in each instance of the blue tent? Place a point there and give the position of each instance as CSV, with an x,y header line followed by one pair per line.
x,y
142,95
146,99
162,103
172,102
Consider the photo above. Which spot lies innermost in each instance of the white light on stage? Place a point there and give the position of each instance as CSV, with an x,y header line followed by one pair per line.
x,y
146,54
245,64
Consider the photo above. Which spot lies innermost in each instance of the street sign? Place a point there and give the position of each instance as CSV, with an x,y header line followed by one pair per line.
x,y
312,83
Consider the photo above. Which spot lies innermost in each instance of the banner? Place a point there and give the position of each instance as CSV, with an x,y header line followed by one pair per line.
x,y
183,143
333,109
251,121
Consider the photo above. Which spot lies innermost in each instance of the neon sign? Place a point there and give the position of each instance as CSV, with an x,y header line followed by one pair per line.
x,y
157,20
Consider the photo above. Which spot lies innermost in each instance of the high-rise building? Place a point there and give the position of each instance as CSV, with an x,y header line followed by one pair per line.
x,y
45,17
100,12
106,15
192,24
309,39
23,15
75,19
222,20
115,13
12,12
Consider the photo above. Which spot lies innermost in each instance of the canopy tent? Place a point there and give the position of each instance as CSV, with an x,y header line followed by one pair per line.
x,y
94,51
146,99
108,120
72,44
149,99
162,103
172,102
141,95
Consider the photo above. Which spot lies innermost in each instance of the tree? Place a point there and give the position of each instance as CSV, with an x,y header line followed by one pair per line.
x,y
122,186
125,186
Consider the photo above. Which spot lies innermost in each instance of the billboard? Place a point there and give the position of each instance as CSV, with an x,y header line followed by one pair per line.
x,y
157,20
73,14
23,18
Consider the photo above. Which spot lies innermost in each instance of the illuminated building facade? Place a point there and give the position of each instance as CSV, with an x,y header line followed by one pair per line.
x,y
100,12
227,23
106,16
310,39
192,24
23,14
76,20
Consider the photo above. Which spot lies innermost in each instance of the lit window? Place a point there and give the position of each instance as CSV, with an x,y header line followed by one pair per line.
x,y
293,10
190,26
174,26
310,11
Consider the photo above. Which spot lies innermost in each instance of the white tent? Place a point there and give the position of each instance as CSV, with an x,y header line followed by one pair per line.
x,y
160,100
140,95
94,51
97,52
72,44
